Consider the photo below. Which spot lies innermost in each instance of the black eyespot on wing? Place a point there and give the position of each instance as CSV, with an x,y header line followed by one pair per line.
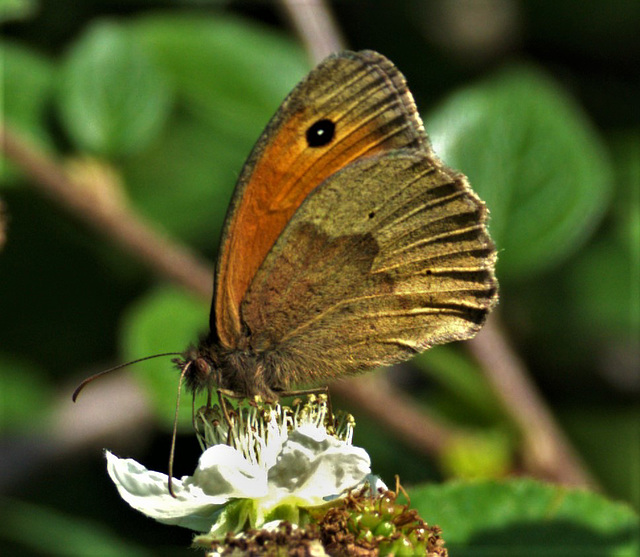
x,y
320,133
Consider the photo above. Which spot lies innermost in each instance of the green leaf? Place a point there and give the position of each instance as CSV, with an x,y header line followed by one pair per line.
x,y
526,517
626,156
232,73
112,98
26,88
166,320
184,181
532,155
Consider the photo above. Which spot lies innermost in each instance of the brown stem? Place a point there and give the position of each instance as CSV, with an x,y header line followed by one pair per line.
x,y
397,412
116,221
315,25
548,454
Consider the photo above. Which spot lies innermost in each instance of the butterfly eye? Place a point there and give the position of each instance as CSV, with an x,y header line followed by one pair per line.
x,y
320,133
203,367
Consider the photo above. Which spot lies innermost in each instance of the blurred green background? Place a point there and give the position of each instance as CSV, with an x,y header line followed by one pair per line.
x,y
537,102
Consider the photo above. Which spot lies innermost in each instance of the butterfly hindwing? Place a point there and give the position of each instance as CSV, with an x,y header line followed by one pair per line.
x,y
386,258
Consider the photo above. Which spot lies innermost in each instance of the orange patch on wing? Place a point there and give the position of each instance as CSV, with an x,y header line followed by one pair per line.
x,y
284,175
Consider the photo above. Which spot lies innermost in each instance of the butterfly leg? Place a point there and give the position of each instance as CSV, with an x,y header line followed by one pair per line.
x,y
224,405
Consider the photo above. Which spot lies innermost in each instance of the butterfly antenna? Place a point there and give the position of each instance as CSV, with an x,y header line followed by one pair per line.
x,y
90,379
172,452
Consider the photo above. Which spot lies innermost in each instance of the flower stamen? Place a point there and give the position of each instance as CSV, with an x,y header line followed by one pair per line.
x,y
255,424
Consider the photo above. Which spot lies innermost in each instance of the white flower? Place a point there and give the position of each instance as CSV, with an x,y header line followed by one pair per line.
x,y
285,462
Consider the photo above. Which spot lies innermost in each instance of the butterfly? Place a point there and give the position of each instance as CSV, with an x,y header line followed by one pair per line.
x,y
347,245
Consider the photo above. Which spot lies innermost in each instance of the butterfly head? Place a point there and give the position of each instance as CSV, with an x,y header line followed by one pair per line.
x,y
199,368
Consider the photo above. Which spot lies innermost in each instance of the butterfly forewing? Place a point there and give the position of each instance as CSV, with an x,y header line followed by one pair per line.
x,y
358,100
386,258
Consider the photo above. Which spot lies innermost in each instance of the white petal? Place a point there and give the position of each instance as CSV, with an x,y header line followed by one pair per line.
x,y
316,433
146,491
223,470
314,467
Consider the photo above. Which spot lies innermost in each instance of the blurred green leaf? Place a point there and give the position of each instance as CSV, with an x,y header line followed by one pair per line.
x,y
231,72
112,98
534,158
525,517
17,9
165,320
184,181
26,395
26,88
50,532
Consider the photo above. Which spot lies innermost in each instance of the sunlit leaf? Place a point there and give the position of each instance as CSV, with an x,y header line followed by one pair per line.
x,y
112,98
478,454
525,517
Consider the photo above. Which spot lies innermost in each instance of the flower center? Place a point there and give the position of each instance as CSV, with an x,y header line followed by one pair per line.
x,y
258,429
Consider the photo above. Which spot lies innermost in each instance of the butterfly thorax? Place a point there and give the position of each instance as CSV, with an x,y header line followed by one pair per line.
x,y
244,371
